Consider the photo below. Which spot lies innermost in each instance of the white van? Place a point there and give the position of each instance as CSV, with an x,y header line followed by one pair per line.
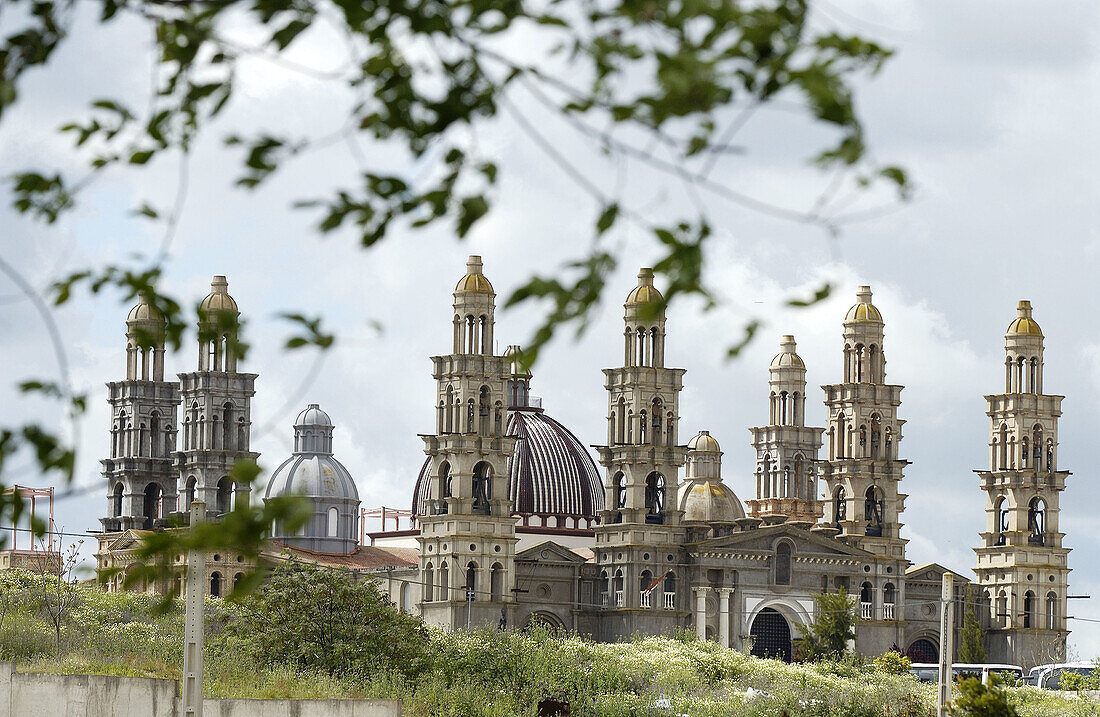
x,y
929,671
1049,676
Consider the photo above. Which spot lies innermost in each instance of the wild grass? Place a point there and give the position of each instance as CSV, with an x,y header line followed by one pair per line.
x,y
481,673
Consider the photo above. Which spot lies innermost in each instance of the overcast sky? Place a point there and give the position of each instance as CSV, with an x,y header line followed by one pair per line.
x,y
991,106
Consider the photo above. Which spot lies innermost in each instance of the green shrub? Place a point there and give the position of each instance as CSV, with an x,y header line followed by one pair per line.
x,y
892,663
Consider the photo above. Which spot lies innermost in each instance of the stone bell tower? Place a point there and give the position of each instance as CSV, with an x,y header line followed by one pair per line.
x,y
1022,567
468,534
217,410
639,537
863,475
786,449
141,484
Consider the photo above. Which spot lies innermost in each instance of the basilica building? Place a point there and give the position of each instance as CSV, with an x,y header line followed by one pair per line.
x,y
514,521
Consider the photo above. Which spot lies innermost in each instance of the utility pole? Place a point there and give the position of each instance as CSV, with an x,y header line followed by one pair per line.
x,y
947,644
193,622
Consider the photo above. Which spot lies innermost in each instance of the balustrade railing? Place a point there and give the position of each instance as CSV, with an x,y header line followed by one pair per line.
x,y
866,611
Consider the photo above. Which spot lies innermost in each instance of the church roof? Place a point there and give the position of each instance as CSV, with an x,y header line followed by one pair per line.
x,y
550,473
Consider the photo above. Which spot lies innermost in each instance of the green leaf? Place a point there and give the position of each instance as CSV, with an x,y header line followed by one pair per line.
x,y
607,218
820,295
141,156
472,209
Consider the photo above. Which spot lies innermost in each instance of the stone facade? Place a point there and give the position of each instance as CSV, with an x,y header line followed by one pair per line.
x,y
656,551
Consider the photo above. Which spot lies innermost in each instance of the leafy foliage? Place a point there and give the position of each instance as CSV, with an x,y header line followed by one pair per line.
x,y
892,663
976,700
834,625
330,620
971,642
425,74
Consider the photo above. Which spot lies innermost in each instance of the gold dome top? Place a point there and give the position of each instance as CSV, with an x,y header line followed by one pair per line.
x,y
703,441
863,311
218,299
710,501
787,357
144,313
1023,324
645,292
474,282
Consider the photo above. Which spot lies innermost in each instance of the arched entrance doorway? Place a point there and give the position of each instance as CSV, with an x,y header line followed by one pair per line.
x,y
923,650
772,635
544,619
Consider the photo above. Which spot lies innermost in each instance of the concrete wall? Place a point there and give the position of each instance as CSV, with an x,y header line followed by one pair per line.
x,y
43,695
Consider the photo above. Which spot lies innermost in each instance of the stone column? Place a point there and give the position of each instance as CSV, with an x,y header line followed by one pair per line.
x,y
700,612
724,616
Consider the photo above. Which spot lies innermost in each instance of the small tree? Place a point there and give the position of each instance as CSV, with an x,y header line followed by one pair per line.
x,y
971,645
892,662
58,585
976,700
331,620
833,627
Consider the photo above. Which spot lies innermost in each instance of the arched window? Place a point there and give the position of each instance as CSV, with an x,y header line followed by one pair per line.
x,y
496,582
670,429
1002,608
470,422
237,579
889,594
116,501
670,591
786,482
872,512
1025,451
1036,522
1002,520
840,506
228,427
876,436
767,476
643,427
216,585
443,488
800,477
333,522
1029,609
471,580
152,504
155,447
484,411
841,436
1052,611
448,414
225,495
428,586
783,564
621,428
444,581
619,488
645,597
1003,463
866,593
655,498
483,476
406,598
1050,456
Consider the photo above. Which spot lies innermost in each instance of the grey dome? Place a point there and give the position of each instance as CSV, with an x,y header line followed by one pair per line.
x,y
313,473
313,416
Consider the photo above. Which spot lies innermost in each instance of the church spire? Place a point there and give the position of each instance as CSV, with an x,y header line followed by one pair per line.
x,y
474,304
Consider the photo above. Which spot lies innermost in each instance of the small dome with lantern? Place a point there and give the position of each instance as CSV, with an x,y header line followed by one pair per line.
x,y
313,474
863,311
218,300
704,498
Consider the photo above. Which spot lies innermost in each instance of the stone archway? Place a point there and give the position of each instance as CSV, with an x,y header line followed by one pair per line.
x,y
771,635
544,618
923,650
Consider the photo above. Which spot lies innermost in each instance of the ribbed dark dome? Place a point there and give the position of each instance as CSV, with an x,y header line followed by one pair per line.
x,y
551,472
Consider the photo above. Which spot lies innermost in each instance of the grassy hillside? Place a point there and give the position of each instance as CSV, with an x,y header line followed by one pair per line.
x,y
479,673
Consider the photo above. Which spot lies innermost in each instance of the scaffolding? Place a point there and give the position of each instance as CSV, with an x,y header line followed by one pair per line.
x,y
33,495
383,514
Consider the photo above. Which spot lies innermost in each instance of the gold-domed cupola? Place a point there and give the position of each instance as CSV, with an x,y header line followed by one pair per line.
x,y
863,311
474,306
1024,349
645,292
787,356
218,300
703,442
474,282
1023,324
145,342
218,324
645,323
